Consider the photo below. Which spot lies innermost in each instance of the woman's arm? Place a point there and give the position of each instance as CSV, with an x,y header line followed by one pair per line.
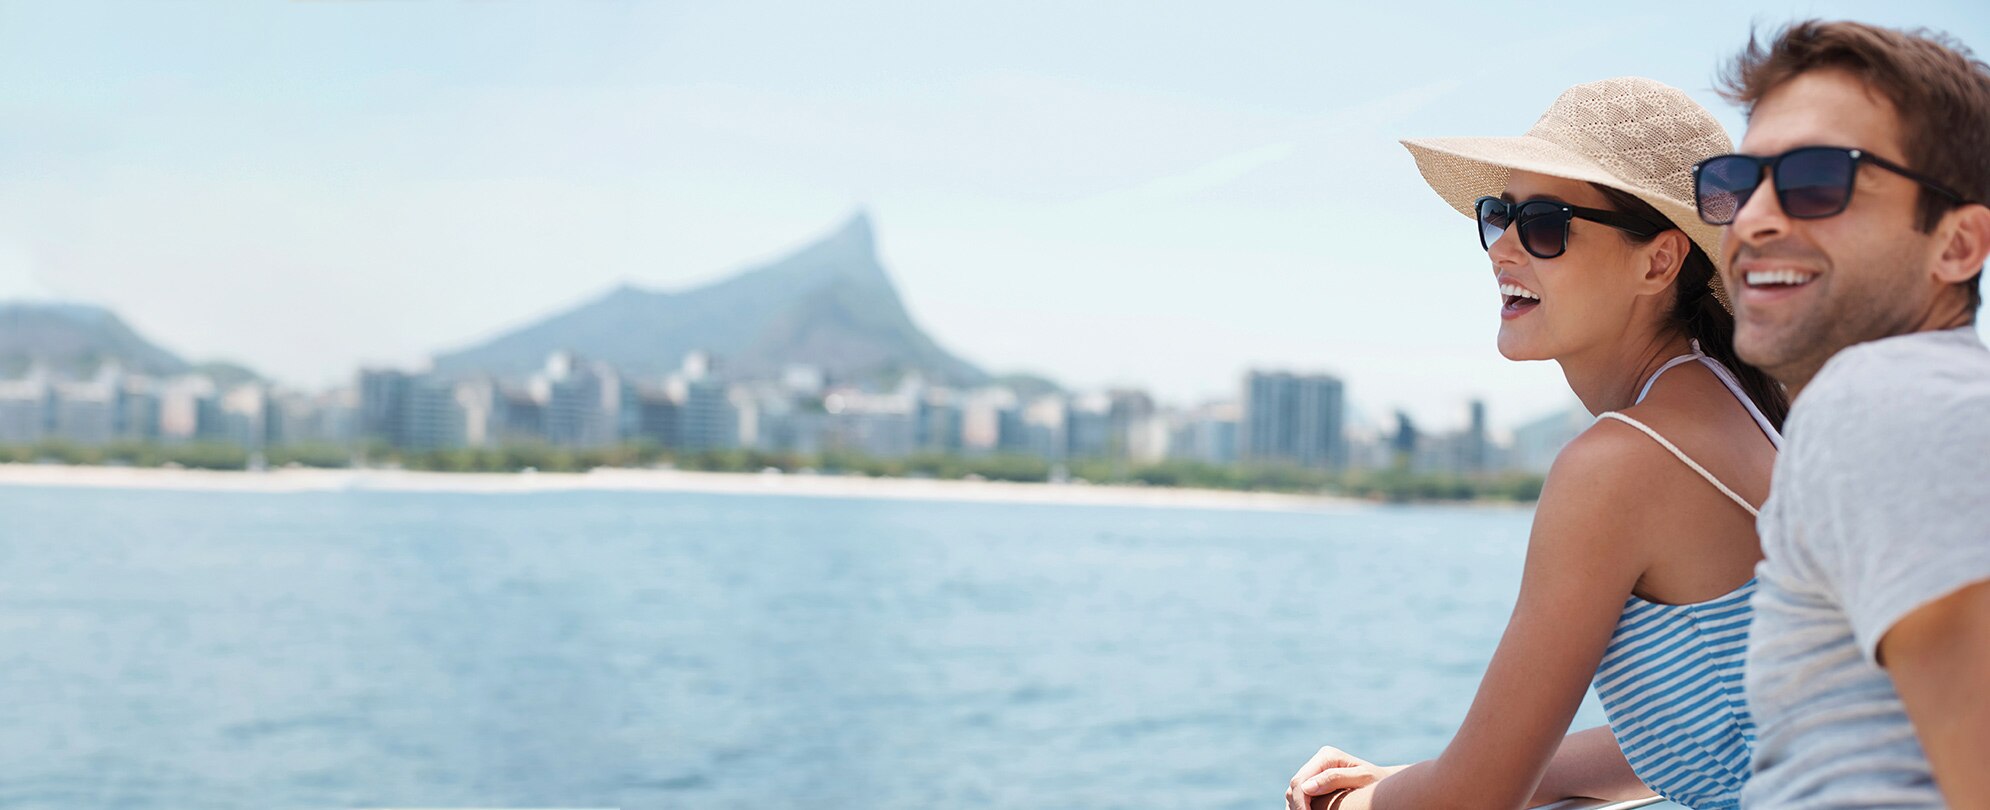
x,y
1583,559
1589,765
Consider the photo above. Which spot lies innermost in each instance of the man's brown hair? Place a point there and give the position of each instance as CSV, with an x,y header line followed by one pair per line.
x,y
1939,89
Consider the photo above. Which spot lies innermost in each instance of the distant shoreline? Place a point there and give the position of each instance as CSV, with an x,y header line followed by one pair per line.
x,y
305,480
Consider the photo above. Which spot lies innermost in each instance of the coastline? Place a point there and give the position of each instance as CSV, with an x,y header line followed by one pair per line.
x,y
306,480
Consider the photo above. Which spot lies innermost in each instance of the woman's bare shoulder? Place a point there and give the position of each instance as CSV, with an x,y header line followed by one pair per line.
x,y
1600,490
1608,456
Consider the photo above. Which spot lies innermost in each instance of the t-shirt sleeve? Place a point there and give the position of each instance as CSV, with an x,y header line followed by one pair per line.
x,y
1899,468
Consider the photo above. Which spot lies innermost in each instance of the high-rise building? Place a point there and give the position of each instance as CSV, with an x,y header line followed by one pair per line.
x,y
1475,447
941,421
432,417
138,409
707,418
1013,431
657,417
1293,418
188,410
981,422
86,411
1137,431
1088,428
383,402
991,422
1044,424
777,419
1208,434
241,417
583,402
478,404
1404,444
24,410
520,416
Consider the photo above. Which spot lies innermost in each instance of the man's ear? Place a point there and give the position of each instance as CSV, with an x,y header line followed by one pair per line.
x,y
1966,246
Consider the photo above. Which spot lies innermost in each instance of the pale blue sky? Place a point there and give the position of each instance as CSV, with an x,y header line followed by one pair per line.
x,y
1151,193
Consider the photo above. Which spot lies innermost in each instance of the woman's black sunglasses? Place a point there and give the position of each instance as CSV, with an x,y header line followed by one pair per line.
x,y
1544,224
1812,182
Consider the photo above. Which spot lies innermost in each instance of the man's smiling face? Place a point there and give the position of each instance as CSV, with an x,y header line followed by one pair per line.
x,y
1805,288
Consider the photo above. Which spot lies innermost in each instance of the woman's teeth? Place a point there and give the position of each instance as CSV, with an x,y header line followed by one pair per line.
x,y
1515,290
1764,278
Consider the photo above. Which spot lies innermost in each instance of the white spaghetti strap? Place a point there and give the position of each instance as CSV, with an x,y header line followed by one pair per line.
x,y
1682,457
1727,378
1684,358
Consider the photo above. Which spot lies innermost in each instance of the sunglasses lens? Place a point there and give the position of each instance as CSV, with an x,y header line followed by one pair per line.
x,y
1724,185
1544,229
1494,216
1814,182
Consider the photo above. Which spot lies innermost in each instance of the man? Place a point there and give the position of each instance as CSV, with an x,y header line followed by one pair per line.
x,y
1855,246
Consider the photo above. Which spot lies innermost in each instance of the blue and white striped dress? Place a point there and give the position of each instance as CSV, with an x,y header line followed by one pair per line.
x,y
1671,684
1670,681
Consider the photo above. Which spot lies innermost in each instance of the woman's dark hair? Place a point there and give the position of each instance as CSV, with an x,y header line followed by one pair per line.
x,y
1700,315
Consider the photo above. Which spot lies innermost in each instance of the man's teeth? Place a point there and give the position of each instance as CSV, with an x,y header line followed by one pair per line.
x,y
1757,278
1523,292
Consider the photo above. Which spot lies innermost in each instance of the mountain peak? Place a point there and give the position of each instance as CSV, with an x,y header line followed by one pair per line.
x,y
850,246
859,222
828,303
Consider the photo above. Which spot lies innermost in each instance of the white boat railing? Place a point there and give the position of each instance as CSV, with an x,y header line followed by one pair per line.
x,y
1595,804
1598,804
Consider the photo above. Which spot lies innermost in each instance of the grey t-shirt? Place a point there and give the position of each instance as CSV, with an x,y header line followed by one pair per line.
x,y
1880,504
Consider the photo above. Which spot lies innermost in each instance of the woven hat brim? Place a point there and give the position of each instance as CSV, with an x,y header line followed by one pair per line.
x,y
1461,170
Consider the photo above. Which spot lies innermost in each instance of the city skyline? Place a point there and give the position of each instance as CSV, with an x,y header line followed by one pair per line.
x,y
1353,418
1105,195
569,403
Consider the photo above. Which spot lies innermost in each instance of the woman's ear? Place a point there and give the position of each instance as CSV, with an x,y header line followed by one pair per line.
x,y
1666,254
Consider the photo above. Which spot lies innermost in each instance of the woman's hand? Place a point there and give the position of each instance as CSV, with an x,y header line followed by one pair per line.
x,y
1330,770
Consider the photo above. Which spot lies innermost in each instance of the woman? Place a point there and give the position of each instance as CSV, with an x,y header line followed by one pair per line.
x,y
1641,560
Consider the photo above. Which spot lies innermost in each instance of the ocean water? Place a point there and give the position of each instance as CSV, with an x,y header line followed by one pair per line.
x,y
376,649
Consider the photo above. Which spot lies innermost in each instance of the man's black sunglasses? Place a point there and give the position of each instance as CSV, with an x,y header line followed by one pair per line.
x,y
1544,224
1812,182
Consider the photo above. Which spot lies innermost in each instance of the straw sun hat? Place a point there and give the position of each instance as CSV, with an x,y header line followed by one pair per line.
x,y
1632,134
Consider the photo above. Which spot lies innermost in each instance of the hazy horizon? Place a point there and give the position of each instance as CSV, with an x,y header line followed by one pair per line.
x,y
1118,194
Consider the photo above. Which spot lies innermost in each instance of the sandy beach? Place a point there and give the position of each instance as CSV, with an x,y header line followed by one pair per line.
x,y
658,480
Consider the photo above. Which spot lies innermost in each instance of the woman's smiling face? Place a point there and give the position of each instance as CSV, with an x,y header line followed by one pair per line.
x,y
1550,308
